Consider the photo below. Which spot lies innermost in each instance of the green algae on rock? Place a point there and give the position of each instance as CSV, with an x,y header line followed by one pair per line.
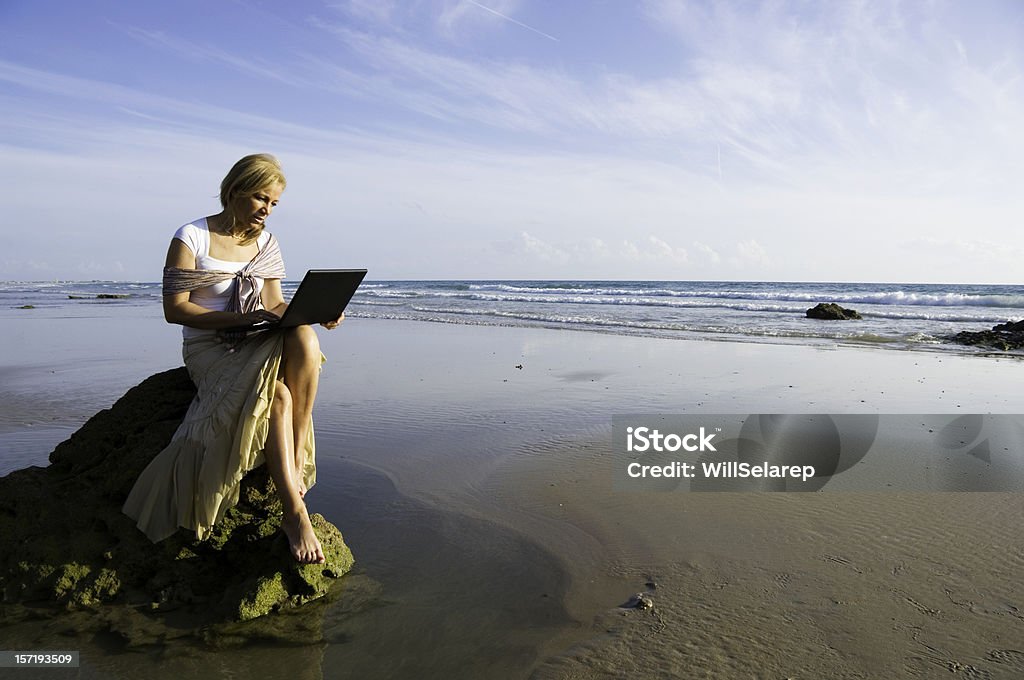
x,y
64,540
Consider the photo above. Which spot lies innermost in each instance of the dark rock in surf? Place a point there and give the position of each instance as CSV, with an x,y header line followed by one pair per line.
x,y
1005,336
830,311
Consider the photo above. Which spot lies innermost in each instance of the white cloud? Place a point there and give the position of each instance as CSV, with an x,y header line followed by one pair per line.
x,y
707,253
101,268
535,247
959,249
750,253
595,252
661,250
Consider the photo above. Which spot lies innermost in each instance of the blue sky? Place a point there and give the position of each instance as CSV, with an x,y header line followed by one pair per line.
x,y
875,141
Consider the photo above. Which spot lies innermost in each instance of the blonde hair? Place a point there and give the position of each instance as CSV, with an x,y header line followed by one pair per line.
x,y
249,176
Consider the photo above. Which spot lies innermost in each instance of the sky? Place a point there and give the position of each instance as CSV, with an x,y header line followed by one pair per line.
x,y
524,139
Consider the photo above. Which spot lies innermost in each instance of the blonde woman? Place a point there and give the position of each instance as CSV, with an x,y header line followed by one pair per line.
x,y
255,391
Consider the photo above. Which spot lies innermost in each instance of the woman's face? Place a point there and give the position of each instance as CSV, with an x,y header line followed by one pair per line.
x,y
252,211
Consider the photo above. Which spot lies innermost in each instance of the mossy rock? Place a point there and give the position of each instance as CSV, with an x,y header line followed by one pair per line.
x,y
65,541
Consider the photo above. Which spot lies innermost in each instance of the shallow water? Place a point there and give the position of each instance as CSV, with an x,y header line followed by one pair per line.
x,y
433,595
440,594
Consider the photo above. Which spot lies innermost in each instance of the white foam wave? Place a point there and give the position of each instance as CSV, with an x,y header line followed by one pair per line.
x,y
641,301
391,293
632,301
644,325
376,303
894,297
815,335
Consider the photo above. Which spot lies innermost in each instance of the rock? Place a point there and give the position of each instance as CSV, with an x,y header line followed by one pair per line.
x,y
100,296
830,311
1005,336
27,307
1010,327
64,540
639,601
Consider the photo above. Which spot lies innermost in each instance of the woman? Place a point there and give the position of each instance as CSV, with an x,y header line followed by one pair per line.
x,y
255,392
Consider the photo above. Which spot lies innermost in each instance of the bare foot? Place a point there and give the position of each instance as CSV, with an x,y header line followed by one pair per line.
x,y
300,483
301,540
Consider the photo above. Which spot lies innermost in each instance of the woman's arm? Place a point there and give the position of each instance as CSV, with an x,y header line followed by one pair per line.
x,y
272,297
180,310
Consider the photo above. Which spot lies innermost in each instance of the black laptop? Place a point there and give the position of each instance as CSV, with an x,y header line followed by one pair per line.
x,y
322,296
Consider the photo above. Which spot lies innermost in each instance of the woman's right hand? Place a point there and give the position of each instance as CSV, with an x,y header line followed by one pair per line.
x,y
256,316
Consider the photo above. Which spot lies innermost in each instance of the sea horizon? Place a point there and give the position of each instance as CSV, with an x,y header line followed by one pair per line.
x,y
564,280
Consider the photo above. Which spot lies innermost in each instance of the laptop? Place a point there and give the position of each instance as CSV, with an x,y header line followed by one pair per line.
x,y
322,296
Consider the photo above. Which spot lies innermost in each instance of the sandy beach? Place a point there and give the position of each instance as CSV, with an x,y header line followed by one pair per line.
x,y
470,469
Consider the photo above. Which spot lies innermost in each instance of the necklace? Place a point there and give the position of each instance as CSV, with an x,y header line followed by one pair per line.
x,y
221,227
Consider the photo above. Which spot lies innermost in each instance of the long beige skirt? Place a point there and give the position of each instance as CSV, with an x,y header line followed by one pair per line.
x,y
195,480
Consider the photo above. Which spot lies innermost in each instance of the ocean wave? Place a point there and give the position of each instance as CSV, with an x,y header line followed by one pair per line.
x,y
376,303
935,300
392,293
924,338
629,301
830,333
567,288
979,317
890,297
735,305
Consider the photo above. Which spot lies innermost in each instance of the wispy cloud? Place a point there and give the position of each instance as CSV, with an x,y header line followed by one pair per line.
x,y
193,51
651,251
514,21
788,96
379,11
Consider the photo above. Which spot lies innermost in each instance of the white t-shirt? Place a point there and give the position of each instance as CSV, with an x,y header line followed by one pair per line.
x,y
196,235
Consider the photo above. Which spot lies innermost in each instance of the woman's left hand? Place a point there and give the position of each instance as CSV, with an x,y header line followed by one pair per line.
x,y
331,325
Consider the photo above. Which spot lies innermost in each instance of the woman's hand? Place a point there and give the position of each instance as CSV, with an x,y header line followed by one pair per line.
x,y
256,316
331,325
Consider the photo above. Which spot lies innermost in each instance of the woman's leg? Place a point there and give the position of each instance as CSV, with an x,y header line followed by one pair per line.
x,y
280,463
300,369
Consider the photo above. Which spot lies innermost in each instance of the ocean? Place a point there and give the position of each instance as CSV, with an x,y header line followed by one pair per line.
x,y
896,316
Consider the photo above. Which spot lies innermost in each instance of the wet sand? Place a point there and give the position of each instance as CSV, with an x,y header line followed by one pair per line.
x,y
477,497
776,585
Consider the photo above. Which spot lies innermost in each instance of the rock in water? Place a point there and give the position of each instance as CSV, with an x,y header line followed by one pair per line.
x,y
830,311
63,538
1005,336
